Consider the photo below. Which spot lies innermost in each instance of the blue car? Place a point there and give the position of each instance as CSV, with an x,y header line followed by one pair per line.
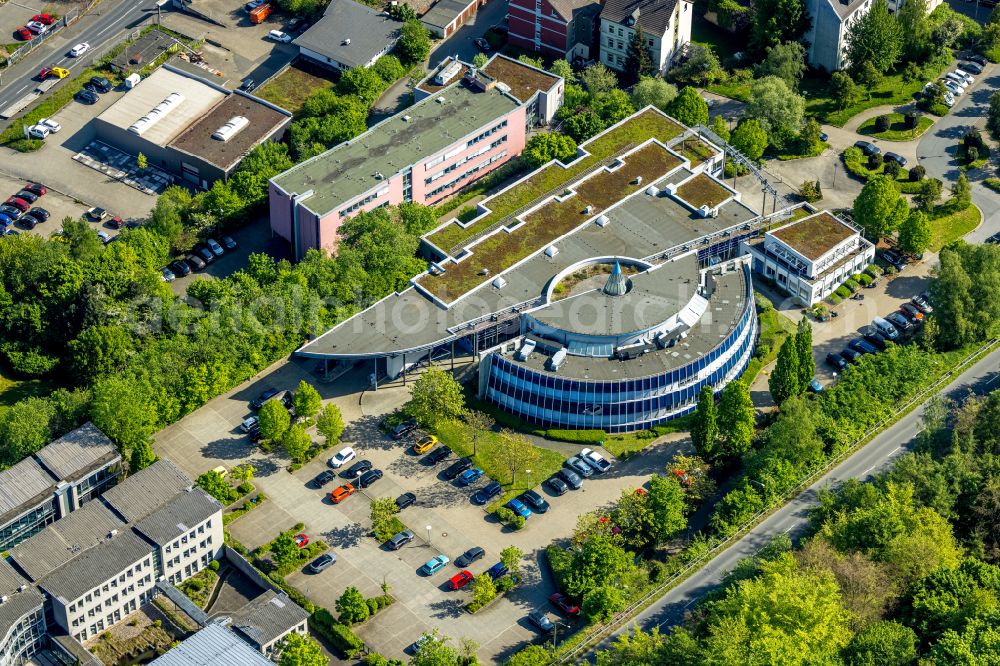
x,y
434,564
5,220
863,346
497,571
815,386
519,507
470,476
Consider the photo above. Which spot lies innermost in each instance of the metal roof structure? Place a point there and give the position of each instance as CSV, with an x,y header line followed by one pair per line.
x,y
178,515
350,33
147,490
17,597
268,617
22,487
212,646
78,453
96,565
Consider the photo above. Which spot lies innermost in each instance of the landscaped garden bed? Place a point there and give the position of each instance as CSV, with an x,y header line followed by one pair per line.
x,y
898,128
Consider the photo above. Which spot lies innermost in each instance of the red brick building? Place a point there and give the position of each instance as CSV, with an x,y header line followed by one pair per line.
x,y
557,28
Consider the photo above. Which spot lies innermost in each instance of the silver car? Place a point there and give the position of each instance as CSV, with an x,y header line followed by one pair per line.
x,y
322,563
578,465
214,246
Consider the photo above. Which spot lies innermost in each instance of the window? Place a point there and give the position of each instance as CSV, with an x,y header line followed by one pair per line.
x,y
620,44
611,29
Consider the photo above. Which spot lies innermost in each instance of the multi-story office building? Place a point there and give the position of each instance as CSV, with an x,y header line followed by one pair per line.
x,y
22,618
54,482
666,28
465,125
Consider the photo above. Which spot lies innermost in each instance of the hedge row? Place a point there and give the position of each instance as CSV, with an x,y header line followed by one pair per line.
x,y
339,635
577,436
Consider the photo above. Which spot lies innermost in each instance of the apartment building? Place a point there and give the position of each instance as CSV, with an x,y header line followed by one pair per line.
x,y
666,25
556,28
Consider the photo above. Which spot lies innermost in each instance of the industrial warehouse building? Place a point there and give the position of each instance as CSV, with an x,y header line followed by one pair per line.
x,y
188,126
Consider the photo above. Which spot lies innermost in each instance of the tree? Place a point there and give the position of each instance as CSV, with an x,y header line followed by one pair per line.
x,y
598,80
361,82
810,133
299,650
480,60
24,429
749,138
653,91
382,512
548,146
954,304
929,193
876,38
100,350
916,30
786,61
561,67
700,68
274,420
242,473
141,162
737,418
993,115
296,442
530,61
667,503
284,550
330,423
633,515
142,457
306,400
844,91
879,209
613,107
977,643
784,380
868,75
530,655
511,556
915,233
777,21
882,644
435,396
414,42
778,108
602,603
598,561
402,12
483,590
435,652
704,429
477,424
961,192
352,606
720,128
514,452
689,108
583,125
633,648
638,61
803,347
124,410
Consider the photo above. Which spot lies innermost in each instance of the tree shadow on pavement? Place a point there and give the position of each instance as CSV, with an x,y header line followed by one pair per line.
x,y
364,432
448,608
345,537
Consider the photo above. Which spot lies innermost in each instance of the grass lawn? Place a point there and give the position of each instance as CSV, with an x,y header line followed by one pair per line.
x,y
549,462
12,390
816,151
892,90
774,328
897,128
954,226
622,446
291,88
737,91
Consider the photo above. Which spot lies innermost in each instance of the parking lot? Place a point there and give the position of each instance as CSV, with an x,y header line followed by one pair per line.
x,y
211,436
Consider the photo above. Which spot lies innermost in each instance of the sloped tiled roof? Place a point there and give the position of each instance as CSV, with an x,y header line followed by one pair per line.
x,y
654,15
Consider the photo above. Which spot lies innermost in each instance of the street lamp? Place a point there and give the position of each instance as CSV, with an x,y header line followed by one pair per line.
x,y
357,478
555,631
429,528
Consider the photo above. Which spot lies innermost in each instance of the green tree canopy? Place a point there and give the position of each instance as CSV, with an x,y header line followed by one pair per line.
x,y
414,42
882,644
774,22
689,107
299,650
875,38
786,61
749,138
804,350
600,604
306,400
880,209
598,79
784,380
653,91
915,233
296,442
667,504
435,395
542,148
352,606
705,429
274,420
598,561
638,61
779,109
844,91
330,423
737,418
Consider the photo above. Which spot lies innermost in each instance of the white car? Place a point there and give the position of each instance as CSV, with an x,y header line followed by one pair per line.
x,y
968,78
79,50
279,36
953,87
342,457
949,100
36,27
52,125
248,423
956,79
595,460
38,131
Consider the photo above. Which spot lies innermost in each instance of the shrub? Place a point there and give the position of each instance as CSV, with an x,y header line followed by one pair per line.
x,y
882,123
245,488
852,284
912,119
842,291
993,184
340,636
917,173
214,565
811,191
834,299
372,606
864,279
891,169
971,153
505,515
763,302
504,584
875,161
874,270
577,436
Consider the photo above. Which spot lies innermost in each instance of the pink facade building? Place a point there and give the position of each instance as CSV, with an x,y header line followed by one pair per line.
x,y
462,127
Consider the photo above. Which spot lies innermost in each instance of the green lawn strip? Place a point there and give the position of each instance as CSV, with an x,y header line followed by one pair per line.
x,y
993,184
774,328
454,435
720,40
291,88
15,390
952,226
628,444
897,128
732,90
892,90
816,151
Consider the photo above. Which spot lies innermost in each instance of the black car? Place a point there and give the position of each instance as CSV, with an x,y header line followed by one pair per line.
x,y
851,355
205,253
893,258
836,361
259,401
323,478
875,339
254,433
195,262
180,268
40,214
863,346
540,620
369,477
557,486
978,59
36,188
470,556
457,467
535,501
438,454
894,157
405,500
30,197
571,478
28,222
482,44
87,96
899,321
361,466
403,429
868,148
248,85
99,84
486,493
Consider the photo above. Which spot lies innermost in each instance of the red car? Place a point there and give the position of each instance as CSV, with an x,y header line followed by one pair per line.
x,y
301,540
19,204
116,222
460,580
563,603
44,19
25,34
37,189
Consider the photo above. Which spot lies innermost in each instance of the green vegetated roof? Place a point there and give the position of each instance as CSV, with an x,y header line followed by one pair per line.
x,y
703,191
648,124
814,236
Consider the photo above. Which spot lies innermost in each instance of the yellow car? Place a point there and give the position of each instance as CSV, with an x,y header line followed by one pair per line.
x,y
425,444
60,72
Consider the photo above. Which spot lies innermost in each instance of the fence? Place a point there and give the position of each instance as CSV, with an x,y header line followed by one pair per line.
x,y
606,630
29,46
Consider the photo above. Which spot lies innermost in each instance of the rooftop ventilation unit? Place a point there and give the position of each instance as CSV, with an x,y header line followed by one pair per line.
x,y
652,191
439,100
525,351
551,251
406,119
557,359
157,113
638,180
346,42
602,220
232,127
447,72
500,283
3,599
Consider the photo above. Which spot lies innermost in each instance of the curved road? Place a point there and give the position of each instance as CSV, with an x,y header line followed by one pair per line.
x,y
792,518
936,149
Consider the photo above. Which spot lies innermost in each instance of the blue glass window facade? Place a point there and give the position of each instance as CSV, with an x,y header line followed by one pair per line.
x,y
622,405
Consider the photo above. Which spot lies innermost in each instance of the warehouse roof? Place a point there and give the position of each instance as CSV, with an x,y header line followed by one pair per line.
x,y
350,33
212,646
178,516
78,453
444,12
20,597
147,490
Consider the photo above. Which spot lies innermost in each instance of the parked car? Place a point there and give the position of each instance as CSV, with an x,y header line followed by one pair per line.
x,y
922,304
248,85
953,87
468,557
875,339
912,312
266,395
228,243
38,132
195,262
28,221
851,355
541,621
434,564
399,540
815,386
87,96
322,563
361,466
167,275
18,203
457,468
438,454
249,423
868,148
99,84
177,266
535,501
577,464
253,4
301,540
370,477
895,157
572,479
79,50
35,188
482,44
36,27
214,246
323,478
342,457
899,321
405,500
53,127
11,212
403,429
24,34
565,604
340,493
885,329
460,580
557,485
96,214
968,78
202,251
595,460
497,571
27,195
836,361
862,346
470,476
278,36
518,507
893,258
486,493
47,19
424,444
423,640
957,80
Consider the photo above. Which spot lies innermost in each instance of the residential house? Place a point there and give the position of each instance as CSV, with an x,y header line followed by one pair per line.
x,y
666,25
349,35
556,28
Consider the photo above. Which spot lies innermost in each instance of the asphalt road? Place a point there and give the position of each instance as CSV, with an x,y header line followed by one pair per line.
x,y
101,26
460,43
936,150
792,518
